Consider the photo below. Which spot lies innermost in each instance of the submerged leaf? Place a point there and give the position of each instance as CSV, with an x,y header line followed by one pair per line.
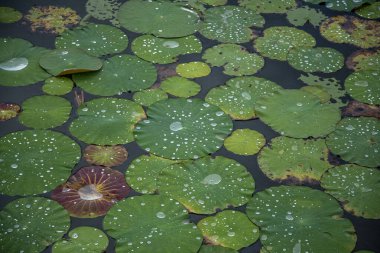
x,y
301,16
357,109
103,10
273,6
9,15
8,111
57,85
149,96
371,11
105,155
364,60
180,87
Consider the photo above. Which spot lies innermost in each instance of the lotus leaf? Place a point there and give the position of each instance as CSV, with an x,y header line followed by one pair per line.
x,y
244,142
105,155
364,60
180,87
9,15
193,69
149,97
301,16
8,111
364,86
273,6
58,85
341,5
215,249
371,11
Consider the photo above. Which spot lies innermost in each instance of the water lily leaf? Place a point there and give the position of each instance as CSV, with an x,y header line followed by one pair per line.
x,y
95,39
238,97
317,59
163,51
371,11
102,10
207,184
19,63
9,15
91,191
278,40
298,114
235,59
215,249
193,69
244,142
180,87
352,30
88,239
31,224
105,155
282,212
356,140
149,96
295,159
121,73
41,158
42,112
57,85
364,60
231,229
319,91
107,121
357,109
230,24
301,16
187,129
273,6
8,111
162,19
356,187
364,86
341,5
159,220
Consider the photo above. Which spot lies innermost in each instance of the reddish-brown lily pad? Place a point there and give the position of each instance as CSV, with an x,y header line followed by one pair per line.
x,y
105,155
8,111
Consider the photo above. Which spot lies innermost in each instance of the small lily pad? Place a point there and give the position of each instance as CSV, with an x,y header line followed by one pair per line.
x,y
364,60
149,96
193,69
215,249
364,86
371,11
231,229
244,142
105,155
341,5
57,85
273,6
180,87
9,15
8,111
300,16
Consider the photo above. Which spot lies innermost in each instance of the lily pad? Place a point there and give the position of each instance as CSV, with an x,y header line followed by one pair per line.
x,y
318,91
88,239
102,10
364,60
356,140
364,86
215,249
214,2
105,155
91,191
273,6
158,219
295,159
8,111
9,15
282,212
207,184
235,59
183,129
121,73
298,114
38,158
149,96
357,109
371,11
57,85
300,16
357,187
230,24
107,121
238,97
193,69
231,229
180,87
31,224
163,51
162,19
95,39
278,40
341,5
244,142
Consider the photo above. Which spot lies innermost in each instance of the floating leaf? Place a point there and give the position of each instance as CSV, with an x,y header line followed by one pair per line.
x,y
215,249
38,158
31,224
180,87
244,142
282,212
8,111
158,219
107,121
91,191
364,86
273,6
57,85
231,229
9,15
341,5
105,155
301,16
149,96
364,60
193,69
356,140
103,10
207,184
357,109
183,129
371,11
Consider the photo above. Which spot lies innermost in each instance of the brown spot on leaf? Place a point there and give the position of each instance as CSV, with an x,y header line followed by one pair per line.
x,y
357,109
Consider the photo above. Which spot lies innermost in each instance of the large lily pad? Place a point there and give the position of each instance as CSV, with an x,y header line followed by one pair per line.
x,y
38,158
119,74
107,121
207,184
9,15
273,6
193,69
8,111
341,5
300,16
300,219
162,223
364,86
180,87
105,155
371,11
297,113
183,129
244,142
215,249
149,96
357,140
57,85
364,60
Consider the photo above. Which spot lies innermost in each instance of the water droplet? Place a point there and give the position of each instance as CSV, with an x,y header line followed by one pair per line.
x,y
89,192
246,95
176,126
14,166
231,233
171,44
297,247
350,127
14,64
299,104
160,215
212,179
318,55
75,235
220,113
289,216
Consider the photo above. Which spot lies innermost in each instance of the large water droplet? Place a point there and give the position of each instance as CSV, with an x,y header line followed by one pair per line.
x,y
171,44
89,192
212,179
289,216
160,215
176,126
361,83
231,233
14,166
246,95
299,104
350,127
297,247
75,235
14,64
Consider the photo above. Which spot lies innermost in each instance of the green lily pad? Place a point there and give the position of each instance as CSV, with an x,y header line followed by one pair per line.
x,y
357,187
317,59
300,219
162,19
9,15
207,184
371,11
149,96
235,59
58,85
244,142
301,16
230,24
180,87
38,158
364,60
298,114
193,69
158,219
42,112
31,224
278,40
19,63
95,39
341,5
356,140
273,6
215,249
88,239
231,229
318,91
105,155
352,30
8,111
364,86
238,97
183,129
163,51
107,121
295,159
102,10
